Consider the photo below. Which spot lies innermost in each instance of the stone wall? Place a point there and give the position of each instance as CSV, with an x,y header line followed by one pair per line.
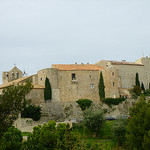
x,y
84,86
111,82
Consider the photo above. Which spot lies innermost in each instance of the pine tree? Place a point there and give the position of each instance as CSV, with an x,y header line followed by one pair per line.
x,y
101,87
47,90
142,87
137,82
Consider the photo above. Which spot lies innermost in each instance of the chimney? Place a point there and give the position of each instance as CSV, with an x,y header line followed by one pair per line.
x,y
81,63
88,63
75,63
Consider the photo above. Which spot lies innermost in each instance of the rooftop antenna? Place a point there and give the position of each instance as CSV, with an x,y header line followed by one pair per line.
x,y
14,64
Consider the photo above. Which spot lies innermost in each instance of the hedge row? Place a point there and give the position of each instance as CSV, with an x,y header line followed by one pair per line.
x,y
113,101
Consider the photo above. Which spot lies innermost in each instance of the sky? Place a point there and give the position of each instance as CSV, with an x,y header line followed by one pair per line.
x,y
37,33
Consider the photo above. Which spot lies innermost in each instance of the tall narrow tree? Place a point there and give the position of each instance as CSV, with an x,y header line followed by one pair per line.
x,y
137,82
142,86
101,87
47,90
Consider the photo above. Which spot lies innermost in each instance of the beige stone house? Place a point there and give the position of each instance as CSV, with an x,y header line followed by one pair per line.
x,y
79,81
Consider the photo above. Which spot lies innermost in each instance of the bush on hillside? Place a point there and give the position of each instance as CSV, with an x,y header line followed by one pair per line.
x,y
147,92
113,101
84,103
31,111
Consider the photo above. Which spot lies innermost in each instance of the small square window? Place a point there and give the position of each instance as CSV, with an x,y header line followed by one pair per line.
x,y
73,76
113,73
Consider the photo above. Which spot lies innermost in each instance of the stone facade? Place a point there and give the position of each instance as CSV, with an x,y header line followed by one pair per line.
x,y
80,81
11,75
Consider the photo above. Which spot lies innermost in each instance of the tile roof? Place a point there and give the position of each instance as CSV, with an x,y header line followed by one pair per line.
x,y
76,67
19,81
121,63
125,63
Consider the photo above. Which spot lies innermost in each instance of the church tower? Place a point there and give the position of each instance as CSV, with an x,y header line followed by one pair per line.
x,y
11,75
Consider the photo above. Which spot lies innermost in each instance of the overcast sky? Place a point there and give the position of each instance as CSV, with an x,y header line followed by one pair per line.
x,y
37,33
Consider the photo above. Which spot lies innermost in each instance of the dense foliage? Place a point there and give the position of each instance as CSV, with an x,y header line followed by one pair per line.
x,y
11,103
101,87
47,90
31,111
93,119
119,130
113,101
50,137
147,92
84,103
139,125
11,140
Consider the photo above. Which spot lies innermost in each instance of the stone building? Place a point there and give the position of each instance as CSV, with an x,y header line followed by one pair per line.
x,y
80,81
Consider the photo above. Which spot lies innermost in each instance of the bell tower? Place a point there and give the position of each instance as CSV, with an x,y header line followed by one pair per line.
x,y
11,75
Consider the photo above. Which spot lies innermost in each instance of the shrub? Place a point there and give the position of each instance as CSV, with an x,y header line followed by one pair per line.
x,y
113,101
84,103
31,111
147,92
11,140
137,90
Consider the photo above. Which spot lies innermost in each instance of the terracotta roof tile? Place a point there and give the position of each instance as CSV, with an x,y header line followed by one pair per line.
x,y
19,81
76,67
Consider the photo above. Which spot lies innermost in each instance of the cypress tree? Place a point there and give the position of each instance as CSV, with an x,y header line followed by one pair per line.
x,y
137,82
101,87
142,87
47,90
149,86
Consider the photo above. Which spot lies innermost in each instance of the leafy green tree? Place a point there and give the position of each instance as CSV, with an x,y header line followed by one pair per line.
x,y
84,103
47,90
93,119
50,137
101,87
142,87
119,130
139,124
146,142
11,103
11,140
137,82
31,111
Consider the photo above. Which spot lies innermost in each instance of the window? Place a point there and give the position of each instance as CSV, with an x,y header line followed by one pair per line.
x,y
41,79
13,75
7,75
113,83
92,86
17,75
113,73
73,76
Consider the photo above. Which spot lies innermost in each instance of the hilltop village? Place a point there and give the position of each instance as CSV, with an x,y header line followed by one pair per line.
x,y
71,82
